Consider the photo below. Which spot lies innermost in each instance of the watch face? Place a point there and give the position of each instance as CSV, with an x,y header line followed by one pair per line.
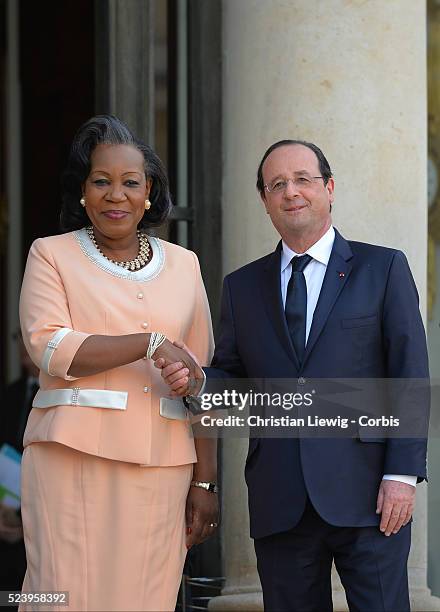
x,y
432,181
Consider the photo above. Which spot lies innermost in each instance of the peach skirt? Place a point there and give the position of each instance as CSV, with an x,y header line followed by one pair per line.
x,y
110,533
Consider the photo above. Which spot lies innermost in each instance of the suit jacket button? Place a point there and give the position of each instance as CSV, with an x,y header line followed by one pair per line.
x,y
301,381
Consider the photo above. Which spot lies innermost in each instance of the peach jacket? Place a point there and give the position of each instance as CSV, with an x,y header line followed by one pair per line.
x,y
70,291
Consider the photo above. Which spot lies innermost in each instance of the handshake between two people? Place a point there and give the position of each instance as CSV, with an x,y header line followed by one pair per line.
x,y
180,368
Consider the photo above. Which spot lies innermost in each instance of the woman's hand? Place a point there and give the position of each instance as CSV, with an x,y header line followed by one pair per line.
x,y
177,374
202,515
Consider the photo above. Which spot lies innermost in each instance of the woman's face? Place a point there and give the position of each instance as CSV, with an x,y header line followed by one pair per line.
x,y
115,190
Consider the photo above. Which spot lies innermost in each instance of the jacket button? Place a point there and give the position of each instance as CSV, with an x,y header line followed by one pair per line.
x,y
145,325
301,381
140,296
146,389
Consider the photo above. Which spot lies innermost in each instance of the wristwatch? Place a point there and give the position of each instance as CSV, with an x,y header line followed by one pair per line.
x,y
208,486
194,404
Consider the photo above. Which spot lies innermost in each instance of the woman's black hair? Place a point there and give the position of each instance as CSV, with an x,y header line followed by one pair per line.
x,y
324,166
107,129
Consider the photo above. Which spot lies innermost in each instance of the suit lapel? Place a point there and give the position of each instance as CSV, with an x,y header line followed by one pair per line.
x,y
271,285
337,273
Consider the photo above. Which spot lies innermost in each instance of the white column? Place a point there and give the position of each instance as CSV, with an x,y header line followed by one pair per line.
x,y
349,76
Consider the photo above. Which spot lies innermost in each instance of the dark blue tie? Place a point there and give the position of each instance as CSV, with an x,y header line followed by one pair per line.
x,y
296,305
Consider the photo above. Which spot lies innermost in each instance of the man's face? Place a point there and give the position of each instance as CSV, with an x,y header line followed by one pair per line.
x,y
303,207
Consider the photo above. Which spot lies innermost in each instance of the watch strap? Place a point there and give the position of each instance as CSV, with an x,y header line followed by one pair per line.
x,y
208,486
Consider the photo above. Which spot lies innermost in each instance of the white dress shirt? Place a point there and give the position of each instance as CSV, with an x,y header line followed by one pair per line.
x,y
314,274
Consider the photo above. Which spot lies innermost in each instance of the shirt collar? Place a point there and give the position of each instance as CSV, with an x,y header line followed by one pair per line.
x,y
320,251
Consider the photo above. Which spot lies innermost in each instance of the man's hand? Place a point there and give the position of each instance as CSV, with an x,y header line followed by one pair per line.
x,y
395,502
202,515
178,375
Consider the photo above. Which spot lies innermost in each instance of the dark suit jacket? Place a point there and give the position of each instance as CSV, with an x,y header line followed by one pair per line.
x,y
366,324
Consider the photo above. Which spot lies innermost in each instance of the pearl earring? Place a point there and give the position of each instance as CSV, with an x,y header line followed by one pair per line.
x,y
147,204
82,202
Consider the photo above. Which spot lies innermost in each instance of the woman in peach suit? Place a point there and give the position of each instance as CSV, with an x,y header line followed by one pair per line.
x,y
107,502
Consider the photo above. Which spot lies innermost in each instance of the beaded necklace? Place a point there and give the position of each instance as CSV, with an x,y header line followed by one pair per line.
x,y
134,264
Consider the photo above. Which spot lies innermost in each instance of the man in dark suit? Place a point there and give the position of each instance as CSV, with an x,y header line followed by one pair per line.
x,y
322,307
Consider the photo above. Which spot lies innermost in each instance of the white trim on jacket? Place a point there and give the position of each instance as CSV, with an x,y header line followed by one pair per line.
x,y
91,398
52,346
144,274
